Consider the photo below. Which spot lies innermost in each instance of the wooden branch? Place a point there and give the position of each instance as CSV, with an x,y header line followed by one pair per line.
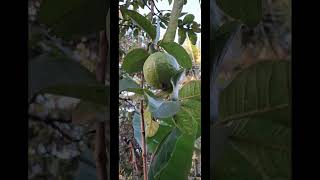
x,y
100,139
173,22
143,135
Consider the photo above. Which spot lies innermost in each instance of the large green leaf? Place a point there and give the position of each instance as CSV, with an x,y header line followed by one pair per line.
x,y
181,35
179,53
162,109
74,18
256,107
45,72
191,90
134,60
233,166
248,11
173,158
193,107
190,94
141,21
163,131
260,91
185,121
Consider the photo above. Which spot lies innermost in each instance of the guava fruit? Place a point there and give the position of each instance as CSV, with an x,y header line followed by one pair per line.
x,y
158,70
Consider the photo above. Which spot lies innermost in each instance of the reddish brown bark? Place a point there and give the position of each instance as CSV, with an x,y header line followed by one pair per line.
x,y
100,139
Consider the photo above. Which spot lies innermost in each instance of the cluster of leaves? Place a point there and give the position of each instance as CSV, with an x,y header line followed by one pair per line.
x,y
170,118
251,129
187,26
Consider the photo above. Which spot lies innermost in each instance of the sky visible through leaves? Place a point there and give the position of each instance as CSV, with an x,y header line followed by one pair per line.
x,y
192,7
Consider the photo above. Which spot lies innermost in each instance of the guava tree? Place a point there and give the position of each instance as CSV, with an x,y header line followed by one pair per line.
x,y
54,69
166,107
251,115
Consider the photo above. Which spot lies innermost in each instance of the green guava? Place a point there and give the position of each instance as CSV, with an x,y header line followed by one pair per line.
x,y
158,70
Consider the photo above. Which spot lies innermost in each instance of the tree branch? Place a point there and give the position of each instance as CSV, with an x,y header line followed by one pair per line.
x,y
143,135
173,22
100,140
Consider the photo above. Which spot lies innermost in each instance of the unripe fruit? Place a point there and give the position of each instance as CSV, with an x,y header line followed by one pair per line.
x,y
158,70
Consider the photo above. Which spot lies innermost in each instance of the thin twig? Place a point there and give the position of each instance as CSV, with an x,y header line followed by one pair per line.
x,y
154,4
128,101
152,10
51,122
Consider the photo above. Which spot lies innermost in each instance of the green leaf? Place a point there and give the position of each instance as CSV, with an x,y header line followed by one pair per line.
x,y
74,18
154,141
188,19
173,158
141,21
185,121
248,11
141,4
45,72
256,107
136,32
179,53
193,107
191,90
182,35
233,166
192,37
134,60
136,124
162,109
170,1
127,83
195,27
97,93
260,91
